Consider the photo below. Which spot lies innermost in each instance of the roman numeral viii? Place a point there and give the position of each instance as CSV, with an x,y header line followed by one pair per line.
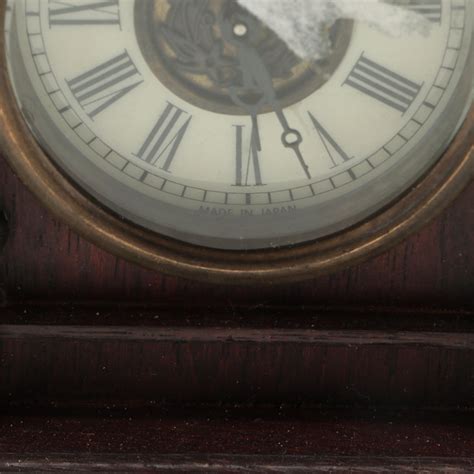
x,y
79,12
431,9
247,164
165,138
383,84
100,87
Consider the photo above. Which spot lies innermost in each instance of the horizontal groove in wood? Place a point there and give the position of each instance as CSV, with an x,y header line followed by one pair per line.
x,y
245,317
237,335
53,462
103,365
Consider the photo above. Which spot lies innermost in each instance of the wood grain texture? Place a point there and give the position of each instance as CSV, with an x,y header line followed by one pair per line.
x,y
124,366
225,431
43,259
52,462
81,329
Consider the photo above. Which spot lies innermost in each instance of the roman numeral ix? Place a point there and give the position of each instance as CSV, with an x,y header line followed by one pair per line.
x,y
68,12
383,84
100,87
165,138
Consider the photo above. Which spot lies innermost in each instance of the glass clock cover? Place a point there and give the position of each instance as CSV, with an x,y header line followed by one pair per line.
x,y
243,124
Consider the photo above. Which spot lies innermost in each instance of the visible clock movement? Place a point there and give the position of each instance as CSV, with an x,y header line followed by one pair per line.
x,y
190,137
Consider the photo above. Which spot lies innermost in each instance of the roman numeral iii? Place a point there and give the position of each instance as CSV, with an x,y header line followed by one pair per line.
x,y
431,9
382,84
78,12
165,137
100,87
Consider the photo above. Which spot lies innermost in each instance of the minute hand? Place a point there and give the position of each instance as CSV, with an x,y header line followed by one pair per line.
x,y
255,67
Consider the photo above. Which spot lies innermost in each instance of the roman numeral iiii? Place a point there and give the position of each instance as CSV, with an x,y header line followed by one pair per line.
x,y
382,84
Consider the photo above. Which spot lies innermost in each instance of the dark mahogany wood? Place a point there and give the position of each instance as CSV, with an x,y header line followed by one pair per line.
x,y
43,259
63,358
82,331
238,440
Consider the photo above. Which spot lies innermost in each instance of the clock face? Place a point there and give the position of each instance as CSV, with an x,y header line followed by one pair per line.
x,y
194,119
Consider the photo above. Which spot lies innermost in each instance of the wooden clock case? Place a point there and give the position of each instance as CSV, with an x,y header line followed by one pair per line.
x,y
107,366
104,363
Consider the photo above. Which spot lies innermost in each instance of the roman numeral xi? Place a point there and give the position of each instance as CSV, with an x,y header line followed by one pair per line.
x,y
100,87
78,12
382,84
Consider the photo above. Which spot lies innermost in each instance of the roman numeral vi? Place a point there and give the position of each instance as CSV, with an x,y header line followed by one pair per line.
x,y
247,163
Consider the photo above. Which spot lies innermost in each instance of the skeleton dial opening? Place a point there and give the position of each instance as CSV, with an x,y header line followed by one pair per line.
x,y
194,119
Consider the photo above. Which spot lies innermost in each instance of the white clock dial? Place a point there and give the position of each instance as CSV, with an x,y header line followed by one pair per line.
x,y
193,119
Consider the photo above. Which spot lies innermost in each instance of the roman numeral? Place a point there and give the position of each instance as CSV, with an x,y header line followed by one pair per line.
x,y
165,138
247,164
100,87
383,84
336,154
77,12
430,9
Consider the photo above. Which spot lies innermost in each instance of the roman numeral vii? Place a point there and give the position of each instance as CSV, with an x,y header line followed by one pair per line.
x,y
165,137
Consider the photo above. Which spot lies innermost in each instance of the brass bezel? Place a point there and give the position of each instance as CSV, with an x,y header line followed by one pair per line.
x,y
432,193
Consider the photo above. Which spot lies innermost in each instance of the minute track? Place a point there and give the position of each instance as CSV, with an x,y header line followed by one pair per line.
x,y
314,184
175,167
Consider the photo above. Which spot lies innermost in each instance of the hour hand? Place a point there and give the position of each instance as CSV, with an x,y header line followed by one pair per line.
x,y
293,139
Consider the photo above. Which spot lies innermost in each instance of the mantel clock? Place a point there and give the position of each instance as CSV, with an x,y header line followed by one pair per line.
x,y
188,136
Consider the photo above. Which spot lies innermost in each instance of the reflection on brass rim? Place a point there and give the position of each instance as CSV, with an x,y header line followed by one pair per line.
x,y
443,182
198,65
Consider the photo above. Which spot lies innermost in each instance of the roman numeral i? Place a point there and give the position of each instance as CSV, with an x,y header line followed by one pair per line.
x,y
165,137
382,84
78,12
100,87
